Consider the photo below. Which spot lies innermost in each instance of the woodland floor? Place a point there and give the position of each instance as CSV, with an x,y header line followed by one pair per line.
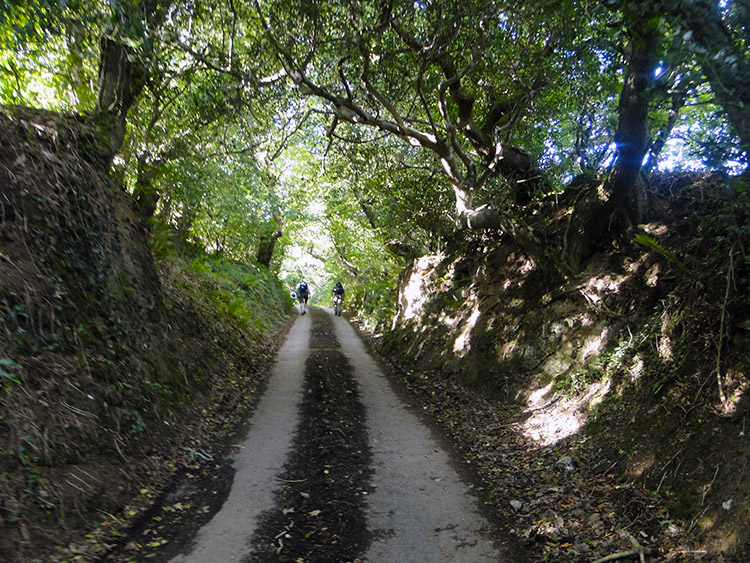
x,y
563,510
565,502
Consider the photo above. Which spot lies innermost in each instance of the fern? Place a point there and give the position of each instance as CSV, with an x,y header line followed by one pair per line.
x,y
649,242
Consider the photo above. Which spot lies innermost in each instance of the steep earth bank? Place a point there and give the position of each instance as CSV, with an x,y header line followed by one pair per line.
x,y
115,375
610,406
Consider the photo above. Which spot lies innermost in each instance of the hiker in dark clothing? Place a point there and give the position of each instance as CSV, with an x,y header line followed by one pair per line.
x,y
337,296
303,292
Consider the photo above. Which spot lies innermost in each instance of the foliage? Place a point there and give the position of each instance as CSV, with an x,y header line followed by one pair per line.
x,y
49,52
119,356
240,119
248,294
10,377
649,242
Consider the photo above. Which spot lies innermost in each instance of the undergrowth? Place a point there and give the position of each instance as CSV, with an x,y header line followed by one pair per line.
x,y
247,293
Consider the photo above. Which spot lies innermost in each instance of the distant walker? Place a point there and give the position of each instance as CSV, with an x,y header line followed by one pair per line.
x,y
303,292
337,296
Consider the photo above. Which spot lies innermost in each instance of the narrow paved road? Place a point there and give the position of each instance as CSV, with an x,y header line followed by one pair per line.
x,y
402,499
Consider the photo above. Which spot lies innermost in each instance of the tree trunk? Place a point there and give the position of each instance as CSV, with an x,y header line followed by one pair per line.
x,y
120,81
485,217
144,192
632,134
266,247
607,209
122,71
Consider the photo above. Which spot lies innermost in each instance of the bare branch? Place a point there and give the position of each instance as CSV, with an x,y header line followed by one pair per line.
x,y
377,95
344,81
423,99
285,140
349,140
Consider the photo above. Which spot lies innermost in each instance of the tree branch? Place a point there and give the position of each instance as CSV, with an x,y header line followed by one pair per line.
x,y
423,99
450,83
285,140
377,95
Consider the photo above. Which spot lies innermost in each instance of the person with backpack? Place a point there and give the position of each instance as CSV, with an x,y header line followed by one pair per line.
x,y
303,292
337,296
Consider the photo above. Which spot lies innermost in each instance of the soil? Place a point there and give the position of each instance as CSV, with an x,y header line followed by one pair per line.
x,y
567,502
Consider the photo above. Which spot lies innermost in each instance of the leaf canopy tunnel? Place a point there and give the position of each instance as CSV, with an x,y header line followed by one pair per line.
x,y
418,121
485,89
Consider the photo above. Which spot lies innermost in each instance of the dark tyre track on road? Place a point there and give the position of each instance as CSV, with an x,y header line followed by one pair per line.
x,y
320,513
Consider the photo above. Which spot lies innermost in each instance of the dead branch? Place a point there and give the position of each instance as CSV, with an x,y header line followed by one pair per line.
x,y
622,555
637,550
708,487
730,274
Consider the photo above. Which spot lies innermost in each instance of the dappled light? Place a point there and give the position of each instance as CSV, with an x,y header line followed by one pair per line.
x,y
415,294
741,385
596,287
635,371
548,428
462,343
594,344
553,419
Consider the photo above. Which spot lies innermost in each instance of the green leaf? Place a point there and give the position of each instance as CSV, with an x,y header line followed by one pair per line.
x,y
5,374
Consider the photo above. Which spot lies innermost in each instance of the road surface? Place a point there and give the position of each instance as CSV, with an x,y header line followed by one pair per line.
x,y
388,489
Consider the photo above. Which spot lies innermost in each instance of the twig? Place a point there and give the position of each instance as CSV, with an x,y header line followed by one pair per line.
x,y
86,484
665,470
694,521
119,451
708,488
621,555
730,274
88,474
203,454
76,410
637,550
76,486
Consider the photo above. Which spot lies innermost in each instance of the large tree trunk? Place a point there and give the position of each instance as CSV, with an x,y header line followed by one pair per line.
x,y
268,240
605,210
144,191
266,247
122,71
486,217
120,81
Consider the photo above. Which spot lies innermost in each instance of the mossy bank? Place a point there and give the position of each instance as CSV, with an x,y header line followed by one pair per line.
x,y
114,366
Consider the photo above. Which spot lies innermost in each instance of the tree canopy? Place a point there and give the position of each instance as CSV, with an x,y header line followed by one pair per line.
x,y
392,127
